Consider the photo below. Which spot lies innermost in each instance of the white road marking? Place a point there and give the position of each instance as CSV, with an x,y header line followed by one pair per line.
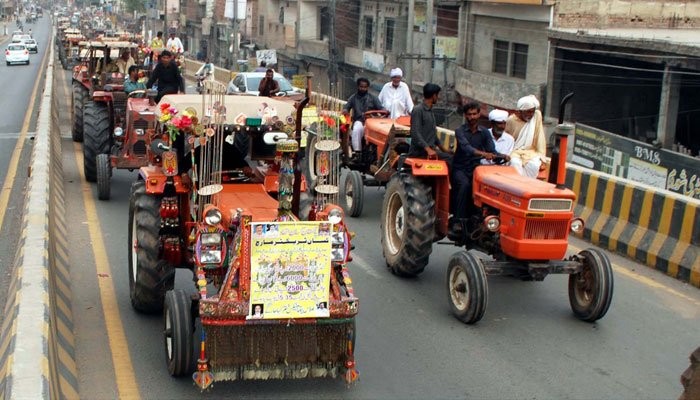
x,y
357,261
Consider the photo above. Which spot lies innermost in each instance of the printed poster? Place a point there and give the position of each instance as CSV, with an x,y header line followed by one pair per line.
x,y
290,270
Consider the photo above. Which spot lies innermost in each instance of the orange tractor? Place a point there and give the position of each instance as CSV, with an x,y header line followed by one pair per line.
x,y
274,296
523,224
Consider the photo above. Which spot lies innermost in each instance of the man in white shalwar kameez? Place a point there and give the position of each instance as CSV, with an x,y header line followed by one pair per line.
x,y
530,143
396,96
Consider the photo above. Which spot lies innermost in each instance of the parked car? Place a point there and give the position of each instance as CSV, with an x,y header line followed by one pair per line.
x,y
31,45
248,82
16,53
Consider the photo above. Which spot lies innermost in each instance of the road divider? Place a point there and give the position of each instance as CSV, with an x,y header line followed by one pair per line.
x,y
37,348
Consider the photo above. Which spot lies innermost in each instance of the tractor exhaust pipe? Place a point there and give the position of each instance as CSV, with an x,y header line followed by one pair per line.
x,y
557,167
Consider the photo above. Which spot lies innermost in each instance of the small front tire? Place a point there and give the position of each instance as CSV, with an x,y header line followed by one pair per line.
x,y
467,287
591,289
104,172
352,193
177,332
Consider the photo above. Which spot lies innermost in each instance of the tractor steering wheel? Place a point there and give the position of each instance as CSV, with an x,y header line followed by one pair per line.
x,y
138,94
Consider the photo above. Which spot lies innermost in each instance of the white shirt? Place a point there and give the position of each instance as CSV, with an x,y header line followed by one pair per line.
x,y
175,45
397,100
504,145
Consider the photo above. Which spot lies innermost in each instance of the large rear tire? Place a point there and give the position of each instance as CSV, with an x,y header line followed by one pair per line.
x,y
177,332
309,166
149,276
96,135
591,290
104,172
352,193
78,99
467,287
408,225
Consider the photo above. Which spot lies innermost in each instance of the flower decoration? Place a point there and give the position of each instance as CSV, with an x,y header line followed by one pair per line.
x,y
184,122
329,122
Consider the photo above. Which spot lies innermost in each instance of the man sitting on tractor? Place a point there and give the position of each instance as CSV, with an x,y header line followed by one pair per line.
x,y
132,82
360,103
502,140
396,96
474,142
167,75
530,143
424,140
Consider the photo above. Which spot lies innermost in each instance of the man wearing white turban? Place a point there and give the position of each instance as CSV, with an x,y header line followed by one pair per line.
x,y
503,141
396,96
530,143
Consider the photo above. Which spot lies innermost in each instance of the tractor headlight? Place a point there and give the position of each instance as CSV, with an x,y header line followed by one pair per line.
x,y
209,239
335,216
492,223
139,132
212,216
118,131
210,257
577,225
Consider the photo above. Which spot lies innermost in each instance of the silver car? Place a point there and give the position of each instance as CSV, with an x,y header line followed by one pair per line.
x,y
248,83
31,45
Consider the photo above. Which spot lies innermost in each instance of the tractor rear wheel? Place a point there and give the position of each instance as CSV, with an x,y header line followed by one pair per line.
x,y
408,225
78,99
309,165
178,332
149,276
104,172
352,193
467,287
591,290
96,134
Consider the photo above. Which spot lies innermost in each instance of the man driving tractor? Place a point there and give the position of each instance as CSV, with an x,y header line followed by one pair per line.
x,y
360,103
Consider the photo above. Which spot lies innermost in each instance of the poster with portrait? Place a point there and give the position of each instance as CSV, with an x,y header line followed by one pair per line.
x,y
290,270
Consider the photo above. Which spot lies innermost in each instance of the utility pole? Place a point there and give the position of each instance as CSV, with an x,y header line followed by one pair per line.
x,y
429,39
409,41
235,45
332,52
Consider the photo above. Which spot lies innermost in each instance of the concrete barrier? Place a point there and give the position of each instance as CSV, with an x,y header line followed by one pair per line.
x,y
37,349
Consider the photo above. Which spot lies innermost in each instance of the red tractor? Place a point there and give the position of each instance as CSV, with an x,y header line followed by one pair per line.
x,y
274,296
522,223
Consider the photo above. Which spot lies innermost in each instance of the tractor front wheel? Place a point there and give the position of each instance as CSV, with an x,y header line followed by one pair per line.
x,y
96,134
78,99
177,332
149,276
591,289
104,172
467,287
352,193
408,225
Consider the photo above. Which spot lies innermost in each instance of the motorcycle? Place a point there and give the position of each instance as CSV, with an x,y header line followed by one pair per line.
x,y
200,81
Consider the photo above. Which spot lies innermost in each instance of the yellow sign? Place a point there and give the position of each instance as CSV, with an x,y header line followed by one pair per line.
x,y
290,270
433,167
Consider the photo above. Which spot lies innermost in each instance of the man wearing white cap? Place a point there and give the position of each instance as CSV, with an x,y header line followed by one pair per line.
x,y
503,140
530,142
396,96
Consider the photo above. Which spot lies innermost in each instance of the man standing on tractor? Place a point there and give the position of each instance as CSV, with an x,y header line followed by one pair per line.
x,y
360,102
502,140
424,140
157,42
474,142
396,96
530,142
174,43
168,76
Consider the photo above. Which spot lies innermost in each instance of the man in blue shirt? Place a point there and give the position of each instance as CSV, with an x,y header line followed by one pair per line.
x,y
474,142
132,83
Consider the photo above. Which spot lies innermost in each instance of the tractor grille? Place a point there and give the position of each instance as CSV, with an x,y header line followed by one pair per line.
x,y
546,229
141,124
139,148
119,101
550,204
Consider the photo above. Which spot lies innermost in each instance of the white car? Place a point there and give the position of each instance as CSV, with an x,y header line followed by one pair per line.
x,y
20,38
16,53
248,82
31,45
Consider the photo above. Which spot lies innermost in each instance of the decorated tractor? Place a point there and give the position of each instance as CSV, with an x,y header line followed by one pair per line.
x,y
384,140
522,223
274,296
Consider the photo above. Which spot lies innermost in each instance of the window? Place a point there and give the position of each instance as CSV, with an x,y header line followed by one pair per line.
x,y
518,65
510,58
325,30
262,26
389,35
500,56
369,34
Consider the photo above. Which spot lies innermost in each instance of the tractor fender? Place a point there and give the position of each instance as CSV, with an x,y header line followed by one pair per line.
x,y
424,167
156,180
101,95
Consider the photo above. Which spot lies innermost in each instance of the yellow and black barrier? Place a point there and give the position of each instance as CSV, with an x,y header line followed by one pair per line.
x,y
655,227
37,348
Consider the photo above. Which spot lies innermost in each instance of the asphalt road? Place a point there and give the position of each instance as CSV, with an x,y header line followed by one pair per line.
x,y
19,108
528,346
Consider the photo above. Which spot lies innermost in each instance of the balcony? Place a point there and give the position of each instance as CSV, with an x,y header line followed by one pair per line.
x,y
313,48
496,90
